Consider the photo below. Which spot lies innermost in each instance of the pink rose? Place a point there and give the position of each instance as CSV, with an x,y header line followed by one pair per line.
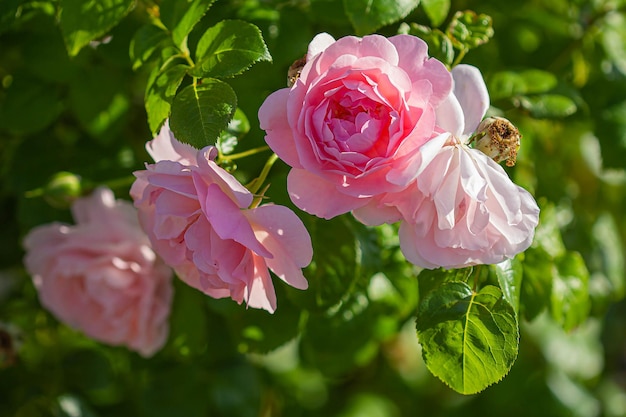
x,y
101,276
199,220
352,124
462,209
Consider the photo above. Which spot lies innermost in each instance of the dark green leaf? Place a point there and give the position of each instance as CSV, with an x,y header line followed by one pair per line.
x,y
29,105
436,10
335,267
145,43
469,340
368,15
100,102
229,48
236,129
342,338
548,106
201,112
180,17
83,21
467,30
509,274
160,92
570,293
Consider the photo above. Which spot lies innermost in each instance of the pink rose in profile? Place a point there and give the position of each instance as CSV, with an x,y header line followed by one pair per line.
x,y
352,124
463,209
101,276
199,220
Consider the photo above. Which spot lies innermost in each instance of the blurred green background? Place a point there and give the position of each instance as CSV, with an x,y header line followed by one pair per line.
x,y
346,347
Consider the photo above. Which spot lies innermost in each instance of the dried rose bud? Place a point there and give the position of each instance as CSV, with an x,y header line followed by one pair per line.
x,y
499,139
294,71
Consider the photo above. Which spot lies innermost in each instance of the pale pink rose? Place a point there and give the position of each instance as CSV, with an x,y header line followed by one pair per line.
x,y
199,220
101,276
462,209
352,124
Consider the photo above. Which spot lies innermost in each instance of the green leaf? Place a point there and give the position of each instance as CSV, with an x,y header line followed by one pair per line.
x,y
334,269
229,48
342,338
607,256
29,105
145,43
507,84
430,279
548,106
100,102
367,16
237,128
201,112
509,274
468,30
436,10
536,282
469,340
83,21
613,38
67,405
570,292
160,92
180,17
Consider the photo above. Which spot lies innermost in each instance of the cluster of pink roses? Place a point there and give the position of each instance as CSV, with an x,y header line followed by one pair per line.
x,y
371,126
374,126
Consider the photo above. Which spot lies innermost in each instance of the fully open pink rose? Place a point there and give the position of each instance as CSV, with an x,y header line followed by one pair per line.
x,y
352,124
198,218
101,275
462,209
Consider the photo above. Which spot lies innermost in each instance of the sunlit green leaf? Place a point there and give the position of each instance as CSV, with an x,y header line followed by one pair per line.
x,y
83,21
613,36
507,84
436,10
548,106
570,293
430,279
607,256
469,340
509,274
537,281
368,15
180,16
145,43
160,92
229,48
200,112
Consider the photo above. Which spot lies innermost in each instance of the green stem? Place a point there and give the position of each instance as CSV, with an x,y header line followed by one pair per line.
x,y
243,154
459,57
255,185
